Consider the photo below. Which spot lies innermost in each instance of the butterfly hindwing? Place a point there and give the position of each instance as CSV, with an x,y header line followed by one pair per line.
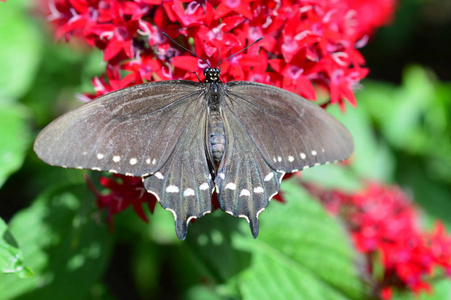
x,y
184,184
131,131
291,133
245,183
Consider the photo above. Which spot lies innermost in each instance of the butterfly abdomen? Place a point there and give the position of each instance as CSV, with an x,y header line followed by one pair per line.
x,y
216,136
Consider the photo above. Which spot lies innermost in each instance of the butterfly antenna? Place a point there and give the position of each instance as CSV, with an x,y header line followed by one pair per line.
x,y
219,59
258,40
191,52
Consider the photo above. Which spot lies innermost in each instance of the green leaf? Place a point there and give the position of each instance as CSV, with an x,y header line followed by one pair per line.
x,y
11,258
203,292
63,244
333,176
400,111
15,139
414,118
300,253
372,158
20,51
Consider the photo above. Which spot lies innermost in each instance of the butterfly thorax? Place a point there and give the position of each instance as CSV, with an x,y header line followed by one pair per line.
x,y
212,80
216,132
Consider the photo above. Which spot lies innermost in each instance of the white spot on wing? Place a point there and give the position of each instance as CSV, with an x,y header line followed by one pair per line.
x,y
322,150
95,169
188,192
129,174
154,161
245,192
113,171
221,175
317,164
148,161
133,161
314,152
79,167
231,186
100,155
204,186
172,189
116,158
269,176
290,158
258,190
159,175
303,156
305,167
275,159
279,159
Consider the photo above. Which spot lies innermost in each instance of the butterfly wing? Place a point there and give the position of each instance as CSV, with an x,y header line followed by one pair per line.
x,y
290,132
245,182
132,131
184,184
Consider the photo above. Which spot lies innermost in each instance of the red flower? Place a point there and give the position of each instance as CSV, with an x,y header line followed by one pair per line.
x,y
306,42
124,191
383,220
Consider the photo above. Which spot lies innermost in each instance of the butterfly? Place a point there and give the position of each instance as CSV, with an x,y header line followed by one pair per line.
x,y
187,140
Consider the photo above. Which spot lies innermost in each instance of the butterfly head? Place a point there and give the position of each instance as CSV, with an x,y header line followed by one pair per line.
x,y
212,75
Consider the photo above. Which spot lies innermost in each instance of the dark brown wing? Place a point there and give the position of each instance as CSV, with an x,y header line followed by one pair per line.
x,y
132,131
290,132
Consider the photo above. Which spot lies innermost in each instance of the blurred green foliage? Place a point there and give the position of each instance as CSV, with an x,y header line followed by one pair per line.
x,y
56,244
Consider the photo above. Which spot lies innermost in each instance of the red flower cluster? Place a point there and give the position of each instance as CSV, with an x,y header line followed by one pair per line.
x,y
125,191
383,224
304,43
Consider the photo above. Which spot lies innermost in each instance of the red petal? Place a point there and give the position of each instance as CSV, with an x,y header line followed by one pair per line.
x,y
81,6
112,49
305,88
187,63
221,10
132,9
138,208
348,94
277,64
244,10
168,7
232,22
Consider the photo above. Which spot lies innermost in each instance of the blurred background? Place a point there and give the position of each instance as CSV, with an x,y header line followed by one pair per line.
x,y
402,128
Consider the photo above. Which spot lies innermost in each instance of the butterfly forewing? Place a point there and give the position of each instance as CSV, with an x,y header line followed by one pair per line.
x,y
245,182
131,131
184,184
290,132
